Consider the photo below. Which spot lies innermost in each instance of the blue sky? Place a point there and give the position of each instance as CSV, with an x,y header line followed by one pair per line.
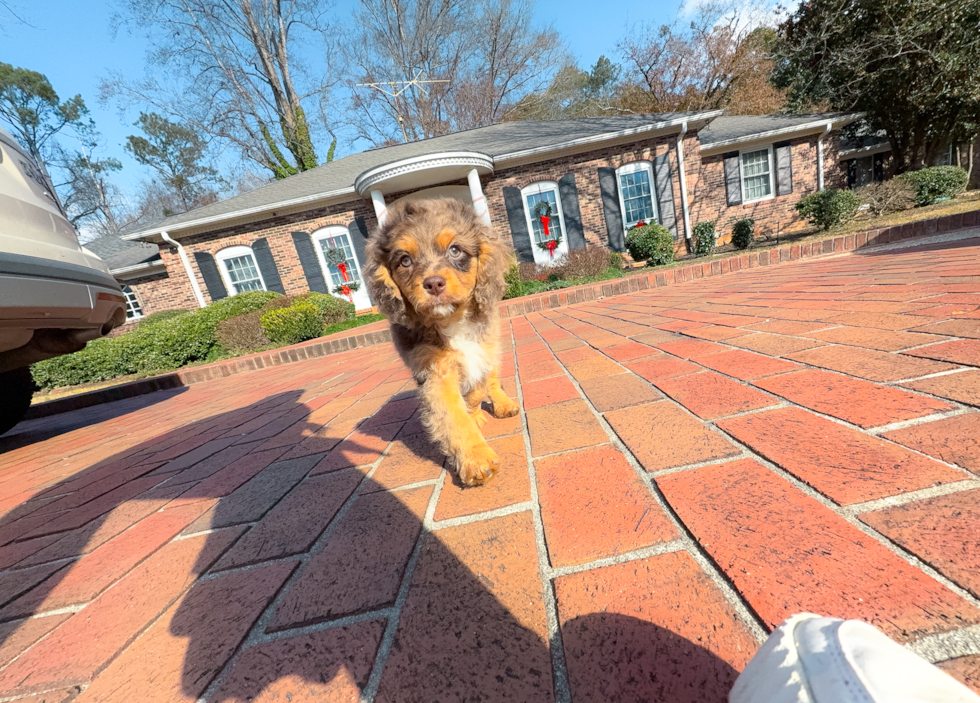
x,y
72,44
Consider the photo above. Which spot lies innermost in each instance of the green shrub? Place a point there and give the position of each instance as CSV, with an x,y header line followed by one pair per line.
x,y
829,208
332,309
161,316
242,332
704,238
742,233
936,183
891,196
616,261
100,360
651,243
292,325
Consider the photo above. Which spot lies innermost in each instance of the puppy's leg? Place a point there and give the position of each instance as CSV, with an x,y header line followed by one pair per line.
x,y
474,401
450,424
502,405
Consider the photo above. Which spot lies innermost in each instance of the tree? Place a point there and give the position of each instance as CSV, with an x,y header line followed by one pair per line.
x,y
719,61
487,52
913,67
573,93
228,69
175,152
88,196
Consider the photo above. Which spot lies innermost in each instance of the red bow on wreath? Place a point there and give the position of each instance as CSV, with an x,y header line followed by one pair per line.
x,y
343,271
551,244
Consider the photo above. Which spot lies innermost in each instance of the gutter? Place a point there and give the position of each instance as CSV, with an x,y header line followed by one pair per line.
x,y
187,267
823,134
680,166
760,136
138,268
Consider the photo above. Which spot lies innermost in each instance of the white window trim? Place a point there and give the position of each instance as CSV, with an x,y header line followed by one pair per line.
x,y
634,167
127,292
772,173
542,257
230,253
334,231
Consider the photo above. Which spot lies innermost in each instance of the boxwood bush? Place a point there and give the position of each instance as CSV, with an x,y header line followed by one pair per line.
x,y
704,238
742,232
294,324
829,208
936,183
651,243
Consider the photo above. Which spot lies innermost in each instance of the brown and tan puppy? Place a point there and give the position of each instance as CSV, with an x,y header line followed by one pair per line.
x,y
437,274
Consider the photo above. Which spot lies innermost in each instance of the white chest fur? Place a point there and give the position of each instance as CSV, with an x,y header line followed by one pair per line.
x,y
474,362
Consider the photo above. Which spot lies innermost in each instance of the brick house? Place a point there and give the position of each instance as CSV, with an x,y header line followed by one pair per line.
x,y
599,176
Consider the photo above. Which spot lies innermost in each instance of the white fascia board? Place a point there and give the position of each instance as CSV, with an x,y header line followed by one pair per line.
x,y
139,269
773,134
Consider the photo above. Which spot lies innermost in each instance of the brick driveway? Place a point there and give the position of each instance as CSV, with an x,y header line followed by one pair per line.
x,y
693,464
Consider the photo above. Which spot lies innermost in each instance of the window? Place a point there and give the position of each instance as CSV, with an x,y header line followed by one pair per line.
x,y
133,309
239,270
756,174
336,238
946,158
532,195
636,200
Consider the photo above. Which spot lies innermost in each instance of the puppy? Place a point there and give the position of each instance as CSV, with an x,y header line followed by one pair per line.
x,y
437,274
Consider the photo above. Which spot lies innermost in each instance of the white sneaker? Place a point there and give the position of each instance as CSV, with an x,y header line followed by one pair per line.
x,y
810,659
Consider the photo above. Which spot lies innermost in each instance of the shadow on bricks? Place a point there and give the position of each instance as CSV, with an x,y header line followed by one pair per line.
x,y
213,560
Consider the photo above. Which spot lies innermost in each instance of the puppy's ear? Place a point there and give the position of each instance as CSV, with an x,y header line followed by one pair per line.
x,y
384,291
494,258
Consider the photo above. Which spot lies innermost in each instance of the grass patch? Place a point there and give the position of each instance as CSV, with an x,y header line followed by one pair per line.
x,y
351,324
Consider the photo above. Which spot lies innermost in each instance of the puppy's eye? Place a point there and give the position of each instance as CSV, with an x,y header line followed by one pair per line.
x,y
455,252
405,261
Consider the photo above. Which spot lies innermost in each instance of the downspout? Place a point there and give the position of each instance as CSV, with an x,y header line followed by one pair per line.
x,y
187,267
680,167
823,134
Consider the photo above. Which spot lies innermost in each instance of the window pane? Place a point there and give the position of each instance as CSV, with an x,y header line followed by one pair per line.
x,y
133,309
637,197
243,273
342,242
755,174
554,224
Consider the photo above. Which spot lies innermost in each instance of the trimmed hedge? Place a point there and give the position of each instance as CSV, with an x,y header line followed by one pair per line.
x,y
294,324
704,238
829,208
651,243
742,233
936,183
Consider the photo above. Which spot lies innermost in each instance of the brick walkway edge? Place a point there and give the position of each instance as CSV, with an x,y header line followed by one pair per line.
x,y
378,333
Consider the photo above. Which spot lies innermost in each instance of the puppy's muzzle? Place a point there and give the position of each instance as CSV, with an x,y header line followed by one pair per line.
x,y
434,285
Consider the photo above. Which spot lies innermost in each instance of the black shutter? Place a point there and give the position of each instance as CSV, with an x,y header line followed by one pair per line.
x,y
665,192
307,259
784,168
878,167
267,265
569,206
733,178
358,239
514,203
209,272
851,172
610,208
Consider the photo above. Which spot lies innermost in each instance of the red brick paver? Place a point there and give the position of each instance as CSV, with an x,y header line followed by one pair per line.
x,y
692,464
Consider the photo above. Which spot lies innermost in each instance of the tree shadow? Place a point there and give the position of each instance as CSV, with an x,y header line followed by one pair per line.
x,y
204,551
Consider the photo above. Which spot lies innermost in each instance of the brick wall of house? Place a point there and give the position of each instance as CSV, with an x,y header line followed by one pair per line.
x,y
585,167
166,290
709,202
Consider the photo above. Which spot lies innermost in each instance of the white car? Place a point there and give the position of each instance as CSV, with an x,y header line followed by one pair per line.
x,y
55,296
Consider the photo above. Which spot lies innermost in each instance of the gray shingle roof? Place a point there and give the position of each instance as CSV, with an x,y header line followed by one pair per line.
x,y
738,127
119,253
496,141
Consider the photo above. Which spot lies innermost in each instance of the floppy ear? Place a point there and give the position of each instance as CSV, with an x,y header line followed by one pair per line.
x,y
383,290
494,259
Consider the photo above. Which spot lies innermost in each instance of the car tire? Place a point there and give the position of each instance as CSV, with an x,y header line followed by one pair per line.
x,y
17,389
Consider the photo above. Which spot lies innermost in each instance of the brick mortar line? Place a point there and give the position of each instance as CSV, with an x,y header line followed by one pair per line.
x,y
676,545
906,555
948,645
482,516
559,664
925,419
911,497
741,607
256,634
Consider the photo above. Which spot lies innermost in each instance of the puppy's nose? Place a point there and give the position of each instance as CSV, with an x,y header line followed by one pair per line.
x,y
434,285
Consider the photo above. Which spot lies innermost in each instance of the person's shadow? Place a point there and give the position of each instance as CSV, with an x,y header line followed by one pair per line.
x,y
285,584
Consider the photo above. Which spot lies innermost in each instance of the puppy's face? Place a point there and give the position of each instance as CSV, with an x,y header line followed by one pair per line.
x,y
434,252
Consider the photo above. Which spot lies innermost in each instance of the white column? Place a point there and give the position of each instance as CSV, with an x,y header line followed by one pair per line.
x,y
187,267
380,207
823,134
680,167
476,195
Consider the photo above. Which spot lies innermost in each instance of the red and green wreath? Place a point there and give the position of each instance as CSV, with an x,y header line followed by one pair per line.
x,y
544,213
336,256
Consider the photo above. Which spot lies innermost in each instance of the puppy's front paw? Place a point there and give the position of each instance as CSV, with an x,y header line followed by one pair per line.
x,y
479,417
478,465
505,407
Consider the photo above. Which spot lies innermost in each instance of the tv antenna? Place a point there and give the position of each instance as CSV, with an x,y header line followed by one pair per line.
x,y
396,88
